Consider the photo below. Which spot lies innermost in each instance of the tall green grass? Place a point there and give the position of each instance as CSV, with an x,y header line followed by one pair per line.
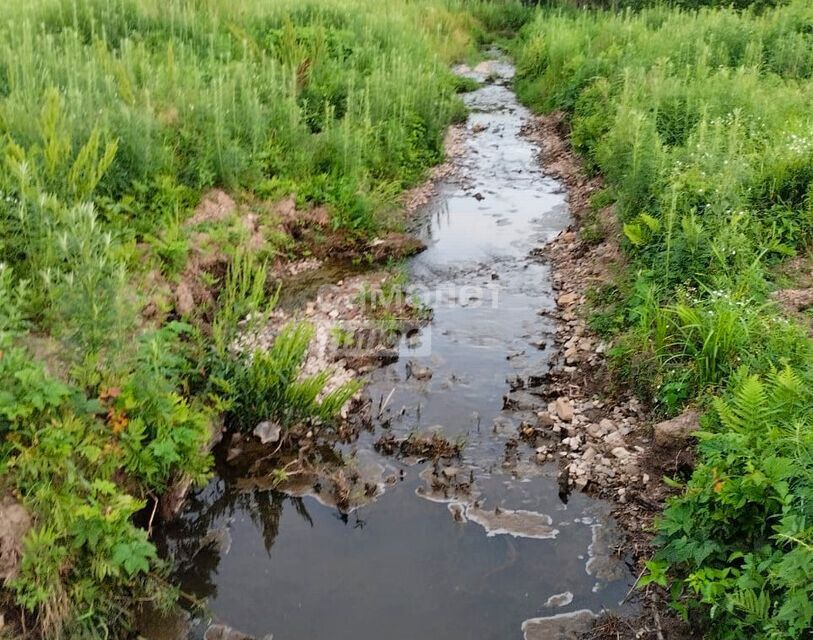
x,y
702,124
340,102
115,116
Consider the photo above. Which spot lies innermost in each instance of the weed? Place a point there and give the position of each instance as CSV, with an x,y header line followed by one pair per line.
x,y
699,121
270,386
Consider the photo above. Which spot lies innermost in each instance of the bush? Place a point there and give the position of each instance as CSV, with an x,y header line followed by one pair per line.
x,y
739,539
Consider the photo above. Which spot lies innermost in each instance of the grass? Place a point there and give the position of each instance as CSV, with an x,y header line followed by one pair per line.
x,y
700,122
116,116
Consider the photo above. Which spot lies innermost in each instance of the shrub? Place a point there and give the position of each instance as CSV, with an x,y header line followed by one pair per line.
x,y
739,539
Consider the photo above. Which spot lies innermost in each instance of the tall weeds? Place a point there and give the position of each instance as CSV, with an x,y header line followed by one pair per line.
x,y
115,116
700,122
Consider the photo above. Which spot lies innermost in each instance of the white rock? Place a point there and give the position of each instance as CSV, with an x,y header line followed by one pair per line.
x,y
564,409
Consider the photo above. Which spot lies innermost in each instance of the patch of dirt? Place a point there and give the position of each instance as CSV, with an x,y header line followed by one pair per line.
x,y
15,522
601,436
795,293
296,241
216,206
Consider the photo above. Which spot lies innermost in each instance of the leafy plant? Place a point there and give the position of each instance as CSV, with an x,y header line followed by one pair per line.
x,y
738,541
270,386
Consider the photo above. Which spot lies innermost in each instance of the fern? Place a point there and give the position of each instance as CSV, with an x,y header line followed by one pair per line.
x,y
756,606
748,409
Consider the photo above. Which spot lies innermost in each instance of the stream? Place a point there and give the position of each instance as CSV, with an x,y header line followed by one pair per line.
x,y
507,558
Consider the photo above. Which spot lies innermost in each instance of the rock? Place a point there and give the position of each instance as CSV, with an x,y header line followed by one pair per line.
x,y
14,524
416,371
268,431
621,453
594,430
567,299
572,355
184,300
559,600
545,419
223,632
564,409
674,433
565,626
614,439
606,425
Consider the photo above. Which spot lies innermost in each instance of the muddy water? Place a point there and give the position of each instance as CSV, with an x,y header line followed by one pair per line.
x,y
505,558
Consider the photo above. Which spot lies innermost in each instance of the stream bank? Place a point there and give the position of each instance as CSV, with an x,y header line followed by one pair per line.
x,y
618,450
481,539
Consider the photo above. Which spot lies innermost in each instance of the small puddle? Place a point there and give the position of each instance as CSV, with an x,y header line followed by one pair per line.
x,y
504,558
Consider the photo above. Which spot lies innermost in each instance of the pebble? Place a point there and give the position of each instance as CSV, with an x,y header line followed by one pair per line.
x,y
614,439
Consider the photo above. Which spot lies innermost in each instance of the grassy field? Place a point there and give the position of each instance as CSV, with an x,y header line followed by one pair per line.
x,y
116,116
702,125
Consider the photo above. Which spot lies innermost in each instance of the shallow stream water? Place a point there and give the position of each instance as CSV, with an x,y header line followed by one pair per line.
x,y
508,560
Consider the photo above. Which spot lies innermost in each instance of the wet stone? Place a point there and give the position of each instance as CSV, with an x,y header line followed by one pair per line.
x,y
565,626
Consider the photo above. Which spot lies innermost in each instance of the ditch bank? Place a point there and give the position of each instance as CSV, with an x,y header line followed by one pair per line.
x,y
607,442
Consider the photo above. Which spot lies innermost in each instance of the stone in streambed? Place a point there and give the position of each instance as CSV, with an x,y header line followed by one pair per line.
x,y
565,626
564,409
223,632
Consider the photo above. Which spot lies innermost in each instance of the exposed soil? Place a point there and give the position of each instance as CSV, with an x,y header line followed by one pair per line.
x,y
14,524
795,297
603,437
293,241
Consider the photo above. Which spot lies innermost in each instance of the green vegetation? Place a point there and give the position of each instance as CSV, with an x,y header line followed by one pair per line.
x,y
115,117
700,122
